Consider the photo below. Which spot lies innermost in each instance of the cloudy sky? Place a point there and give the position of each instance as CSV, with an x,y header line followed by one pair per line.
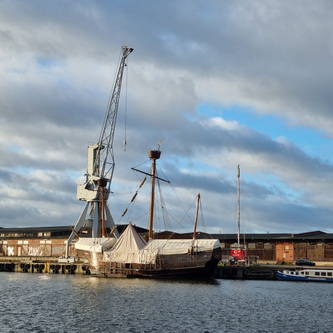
x,y
222,82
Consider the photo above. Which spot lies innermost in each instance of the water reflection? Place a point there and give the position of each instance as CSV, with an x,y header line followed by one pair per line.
x,y
67,303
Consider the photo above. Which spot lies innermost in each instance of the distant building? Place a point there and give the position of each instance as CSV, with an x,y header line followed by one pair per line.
x,y
314,245
50,242
41,241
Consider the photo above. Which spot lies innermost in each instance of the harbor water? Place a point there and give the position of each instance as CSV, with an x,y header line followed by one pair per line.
x,y
77,303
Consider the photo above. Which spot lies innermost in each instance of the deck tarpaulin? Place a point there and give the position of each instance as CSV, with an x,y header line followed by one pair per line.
x,y
131,248
96,245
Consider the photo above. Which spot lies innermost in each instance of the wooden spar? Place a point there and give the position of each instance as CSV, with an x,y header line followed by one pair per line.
x,y
76,234
102,182
149,174
135,195
103,215
153,155
196,217
143,181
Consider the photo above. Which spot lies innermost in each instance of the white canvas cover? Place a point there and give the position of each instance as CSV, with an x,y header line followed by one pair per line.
x,y
95,245
181,246
127,245
129,248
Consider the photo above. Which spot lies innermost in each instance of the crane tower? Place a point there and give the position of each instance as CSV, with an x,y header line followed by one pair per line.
x,y
95,189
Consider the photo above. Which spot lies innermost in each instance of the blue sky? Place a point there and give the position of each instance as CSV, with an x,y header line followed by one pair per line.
x,y
239,82
312,141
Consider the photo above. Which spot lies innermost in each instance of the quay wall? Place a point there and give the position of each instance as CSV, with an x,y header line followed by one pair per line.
x,y
47,265
27,265
261,271
247,272
57,265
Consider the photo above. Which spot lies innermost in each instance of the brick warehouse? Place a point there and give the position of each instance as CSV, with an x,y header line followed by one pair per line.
x,y
314,245
50,242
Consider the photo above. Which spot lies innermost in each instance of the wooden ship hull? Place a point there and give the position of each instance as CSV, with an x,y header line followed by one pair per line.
x,y
190,266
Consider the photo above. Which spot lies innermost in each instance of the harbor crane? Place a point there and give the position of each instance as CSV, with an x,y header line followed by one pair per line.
x,y
95,188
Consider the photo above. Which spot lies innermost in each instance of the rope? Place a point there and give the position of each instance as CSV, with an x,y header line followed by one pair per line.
x,y
126,99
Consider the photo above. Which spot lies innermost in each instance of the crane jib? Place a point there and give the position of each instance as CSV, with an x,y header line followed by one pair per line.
x,y
105,142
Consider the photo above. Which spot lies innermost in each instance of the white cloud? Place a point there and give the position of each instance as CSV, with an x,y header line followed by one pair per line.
x,y
271,58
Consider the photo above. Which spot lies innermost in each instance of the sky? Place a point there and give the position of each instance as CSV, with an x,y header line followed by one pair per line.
x,y
223,83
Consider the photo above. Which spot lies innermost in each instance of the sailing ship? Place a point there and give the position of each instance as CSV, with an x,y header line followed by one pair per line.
x,y
128,254
133,256
238,251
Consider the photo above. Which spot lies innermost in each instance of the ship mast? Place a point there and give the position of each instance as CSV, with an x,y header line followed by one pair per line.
x,y
238,204
196,217
153,155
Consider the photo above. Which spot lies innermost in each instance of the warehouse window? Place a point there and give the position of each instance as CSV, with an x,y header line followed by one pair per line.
x,y
267,246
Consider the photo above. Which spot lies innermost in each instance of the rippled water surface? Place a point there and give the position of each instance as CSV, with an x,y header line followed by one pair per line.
x,y
68,303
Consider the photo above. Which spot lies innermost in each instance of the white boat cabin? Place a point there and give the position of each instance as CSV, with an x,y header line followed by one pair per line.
x,y
311,273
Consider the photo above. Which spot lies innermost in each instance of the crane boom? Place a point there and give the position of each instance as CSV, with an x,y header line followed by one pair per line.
x,y
105,142
95,189
100,169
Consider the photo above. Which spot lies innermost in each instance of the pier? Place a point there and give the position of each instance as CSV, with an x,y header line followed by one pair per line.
x,y
29,265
